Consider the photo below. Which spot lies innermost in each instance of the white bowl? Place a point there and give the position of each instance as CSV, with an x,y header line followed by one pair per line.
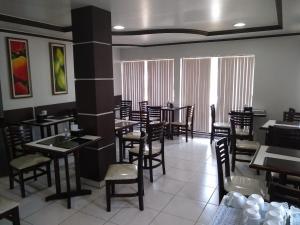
x,y
258,199
250,204
275,216
236,200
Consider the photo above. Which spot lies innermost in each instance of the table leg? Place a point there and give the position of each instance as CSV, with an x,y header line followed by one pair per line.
x,y
42,132
77,170
48,131
55,129
68,181
57,175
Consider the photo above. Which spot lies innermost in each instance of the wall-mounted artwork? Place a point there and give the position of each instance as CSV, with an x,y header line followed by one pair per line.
x,y
18,59
58,68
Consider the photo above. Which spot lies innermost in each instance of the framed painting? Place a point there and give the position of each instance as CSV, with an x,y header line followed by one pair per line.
x,y
58,68
19,69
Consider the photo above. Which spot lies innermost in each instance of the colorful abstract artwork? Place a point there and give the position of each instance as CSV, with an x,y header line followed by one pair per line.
x,y
18,59
58,69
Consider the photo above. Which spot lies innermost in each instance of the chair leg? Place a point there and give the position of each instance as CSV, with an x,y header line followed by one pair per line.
x,y
233,161
141,193
130,157
145,162
151,170
16,216
11,179
48,169
163,162
34,174
172,132
186,134
257,172
107,196
113,188
211,136
21,182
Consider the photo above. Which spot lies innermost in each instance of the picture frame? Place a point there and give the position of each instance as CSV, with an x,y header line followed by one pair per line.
x,y
19,68
59,79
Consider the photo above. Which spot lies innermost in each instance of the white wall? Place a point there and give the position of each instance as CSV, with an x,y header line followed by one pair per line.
x,y
117,71
40,73
277,69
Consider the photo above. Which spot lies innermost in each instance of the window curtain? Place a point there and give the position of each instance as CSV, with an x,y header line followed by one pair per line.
x,y
160,82
235,84
133,84
195,86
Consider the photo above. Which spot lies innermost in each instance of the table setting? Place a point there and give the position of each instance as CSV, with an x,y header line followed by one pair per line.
x,y
237,209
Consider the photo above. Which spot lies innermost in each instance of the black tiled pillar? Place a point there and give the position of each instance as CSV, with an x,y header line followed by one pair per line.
x,y
91,28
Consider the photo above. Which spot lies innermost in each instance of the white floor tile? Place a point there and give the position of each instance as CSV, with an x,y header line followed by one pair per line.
x,y
83,219
167,219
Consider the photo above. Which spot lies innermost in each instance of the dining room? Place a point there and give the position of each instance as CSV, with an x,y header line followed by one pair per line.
x,y
149,112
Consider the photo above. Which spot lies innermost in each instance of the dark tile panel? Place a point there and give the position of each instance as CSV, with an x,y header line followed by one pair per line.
x,y
103,126
93,60
18,115
57,109
91,24
94,96
94,163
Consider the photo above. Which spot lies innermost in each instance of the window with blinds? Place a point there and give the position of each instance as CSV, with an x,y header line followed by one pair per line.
x,y
195,89
234,85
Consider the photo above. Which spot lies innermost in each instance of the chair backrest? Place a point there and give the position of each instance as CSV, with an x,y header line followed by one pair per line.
x,y
190,114
125,112
213,113
243,120
248,109
143,120
154,113
232,134
143,105
283,193
291,115
222,155
126,103
284,137
15,137
156,133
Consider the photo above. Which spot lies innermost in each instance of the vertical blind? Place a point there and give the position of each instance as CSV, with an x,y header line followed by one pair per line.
x,y
195,86
160,81
133,84
235,84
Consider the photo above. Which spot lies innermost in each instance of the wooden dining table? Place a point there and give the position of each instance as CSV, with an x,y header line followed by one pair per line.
x,y
285,161
57,147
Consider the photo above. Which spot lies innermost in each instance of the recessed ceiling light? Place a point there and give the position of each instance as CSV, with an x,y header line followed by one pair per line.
x,y
118,27
239,25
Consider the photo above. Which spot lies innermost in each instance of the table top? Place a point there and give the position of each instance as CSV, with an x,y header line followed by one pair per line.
x,y
277,159
49,121
60,144
256,112
122,124
173,108
269,123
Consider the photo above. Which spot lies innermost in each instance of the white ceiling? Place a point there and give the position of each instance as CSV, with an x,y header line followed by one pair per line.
x,y
208,15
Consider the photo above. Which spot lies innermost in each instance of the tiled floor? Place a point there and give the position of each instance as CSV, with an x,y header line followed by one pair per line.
x,y
186,195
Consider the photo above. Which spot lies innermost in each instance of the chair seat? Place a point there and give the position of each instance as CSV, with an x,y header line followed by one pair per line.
x,y
124,171
6,205
28,161
242,132
244,185
135,135
135,150
247,145
221,125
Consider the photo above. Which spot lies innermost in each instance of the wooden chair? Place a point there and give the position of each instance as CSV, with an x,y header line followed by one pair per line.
x,y
218,129
283,193
227,183
244,124
154,114
187,125
152,152
143,106
125,113
287,138
240,147
21,163
9,210
126,173
291,115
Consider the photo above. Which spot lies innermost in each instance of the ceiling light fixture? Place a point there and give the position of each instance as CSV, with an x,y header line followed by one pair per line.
x,y
239,25
118,27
